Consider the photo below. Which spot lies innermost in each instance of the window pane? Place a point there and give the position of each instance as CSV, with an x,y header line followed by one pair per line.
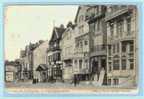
x,y
123,47
116,65
116,81
131,64
123,64
80,64
128,25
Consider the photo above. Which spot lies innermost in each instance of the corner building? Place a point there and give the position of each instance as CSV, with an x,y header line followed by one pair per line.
x,y
121,21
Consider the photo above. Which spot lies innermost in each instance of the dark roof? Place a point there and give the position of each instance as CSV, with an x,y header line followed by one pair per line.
x,y
70,24
77,13
57,33
60,31
42,67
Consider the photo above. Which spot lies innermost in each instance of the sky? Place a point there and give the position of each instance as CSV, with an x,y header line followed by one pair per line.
x,y
25,24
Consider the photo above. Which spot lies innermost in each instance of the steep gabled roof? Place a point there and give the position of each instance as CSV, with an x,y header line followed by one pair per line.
x,y
42,67
77,14
57,33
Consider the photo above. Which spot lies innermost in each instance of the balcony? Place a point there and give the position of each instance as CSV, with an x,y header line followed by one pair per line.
x,y
98,50
53,48
128,37
92,15
124,37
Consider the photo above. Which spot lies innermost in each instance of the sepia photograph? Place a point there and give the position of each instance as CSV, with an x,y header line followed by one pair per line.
x,y
89,48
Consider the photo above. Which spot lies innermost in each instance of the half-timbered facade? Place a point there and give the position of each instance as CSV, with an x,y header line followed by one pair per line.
x,y
54,54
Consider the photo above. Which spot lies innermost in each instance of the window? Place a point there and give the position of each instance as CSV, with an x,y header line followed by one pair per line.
x,y
109,49
81,29
128,25
120,28
92,27
117,47
75,62
131,64
123,64
124,45
86,63
109,81
80,64
116,81
97,10
116,64
77,44
81,18
81,44
110,66
98,25
114,48
112,29
131,47
86,42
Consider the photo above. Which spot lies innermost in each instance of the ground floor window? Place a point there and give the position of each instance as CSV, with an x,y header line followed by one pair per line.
x,y
116,81
109,81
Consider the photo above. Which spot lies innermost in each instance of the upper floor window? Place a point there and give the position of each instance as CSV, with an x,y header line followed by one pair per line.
x,y
117,47
110,66
131,47
75,62
124,64
97,10
86,42
114,48
81,29
128,25
92,27
80,64
81,44
109,49
120,28
112,29
81,18
86,63
116,64
98,23
124,47
77,43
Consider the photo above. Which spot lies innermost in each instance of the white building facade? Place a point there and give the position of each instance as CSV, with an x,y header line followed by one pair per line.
x,y
39,62
67,45
122,47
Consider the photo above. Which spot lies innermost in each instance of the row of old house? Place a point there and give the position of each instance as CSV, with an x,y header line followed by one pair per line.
x,y
100,47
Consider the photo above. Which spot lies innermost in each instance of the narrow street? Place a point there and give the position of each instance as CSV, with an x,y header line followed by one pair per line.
x,y
28,87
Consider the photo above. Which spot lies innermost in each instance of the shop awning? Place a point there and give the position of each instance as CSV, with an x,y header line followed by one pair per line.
x,y
42,67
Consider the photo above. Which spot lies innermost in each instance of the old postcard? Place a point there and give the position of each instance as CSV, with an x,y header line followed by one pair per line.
x,y
87,48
